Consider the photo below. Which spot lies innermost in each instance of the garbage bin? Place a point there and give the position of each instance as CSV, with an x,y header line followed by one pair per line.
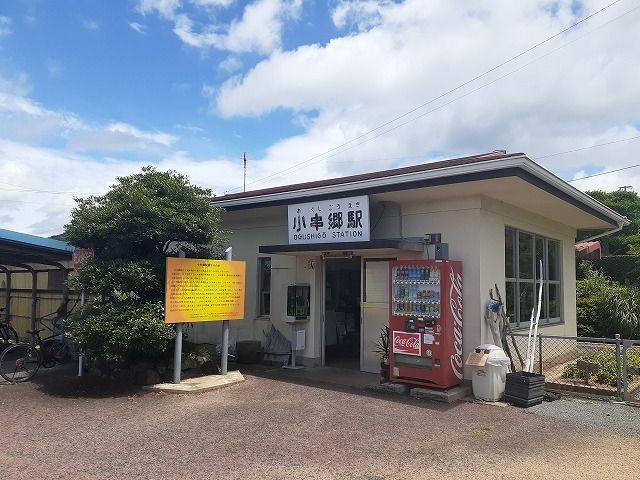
x,y
488,381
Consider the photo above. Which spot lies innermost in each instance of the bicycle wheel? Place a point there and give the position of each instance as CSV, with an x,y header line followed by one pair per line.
x,y
8,337
19,363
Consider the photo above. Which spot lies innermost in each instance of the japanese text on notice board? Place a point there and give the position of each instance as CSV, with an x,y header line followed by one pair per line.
x,y
200,290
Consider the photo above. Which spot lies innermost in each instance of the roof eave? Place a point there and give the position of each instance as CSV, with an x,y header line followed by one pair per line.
x,y
495,164
518,161
545,175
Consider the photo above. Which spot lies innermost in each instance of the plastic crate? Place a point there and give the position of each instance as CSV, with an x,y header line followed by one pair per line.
x,y
524,389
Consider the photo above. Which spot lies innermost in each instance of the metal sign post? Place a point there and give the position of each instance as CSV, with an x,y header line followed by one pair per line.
x,y
177,349
204,290
80,357
225,328
177,354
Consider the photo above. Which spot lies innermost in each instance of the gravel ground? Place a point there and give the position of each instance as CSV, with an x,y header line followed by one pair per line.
x,y
61,427
616,417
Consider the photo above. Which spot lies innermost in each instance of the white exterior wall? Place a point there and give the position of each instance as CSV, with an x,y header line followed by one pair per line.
x,y
473,227
458,220
495,217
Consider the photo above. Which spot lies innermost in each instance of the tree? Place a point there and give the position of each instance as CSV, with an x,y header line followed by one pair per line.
x,y
132,229
627,203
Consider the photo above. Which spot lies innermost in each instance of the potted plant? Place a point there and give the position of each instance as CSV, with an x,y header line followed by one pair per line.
x,y
382,349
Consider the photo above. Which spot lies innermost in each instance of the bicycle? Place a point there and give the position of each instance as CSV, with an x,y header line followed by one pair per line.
x,y
8,335
20,362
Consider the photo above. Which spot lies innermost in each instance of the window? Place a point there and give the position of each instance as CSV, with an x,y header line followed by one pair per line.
x,y
523,252
264,286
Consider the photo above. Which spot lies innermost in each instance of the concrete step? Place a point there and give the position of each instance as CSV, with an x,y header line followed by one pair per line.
x,y
450,395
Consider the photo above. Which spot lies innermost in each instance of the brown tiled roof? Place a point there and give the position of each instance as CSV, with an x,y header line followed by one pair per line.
x,y
454,162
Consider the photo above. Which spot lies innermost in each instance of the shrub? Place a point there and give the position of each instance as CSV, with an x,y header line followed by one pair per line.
x,y
624,269
606,361
121,332
604,307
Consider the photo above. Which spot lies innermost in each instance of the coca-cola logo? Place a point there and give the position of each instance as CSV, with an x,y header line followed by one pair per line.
x,y
407,343
455,306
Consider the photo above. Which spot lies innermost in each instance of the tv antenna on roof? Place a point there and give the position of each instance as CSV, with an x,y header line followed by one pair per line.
x,y
244,181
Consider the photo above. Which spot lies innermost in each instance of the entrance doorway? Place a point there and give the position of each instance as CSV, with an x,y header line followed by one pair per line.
x,y
342,312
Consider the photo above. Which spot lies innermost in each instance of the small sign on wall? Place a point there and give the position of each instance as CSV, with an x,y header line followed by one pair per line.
x,y
300,339
329,221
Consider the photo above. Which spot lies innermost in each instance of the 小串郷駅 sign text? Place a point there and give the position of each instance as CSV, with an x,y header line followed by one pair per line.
x,y
329,221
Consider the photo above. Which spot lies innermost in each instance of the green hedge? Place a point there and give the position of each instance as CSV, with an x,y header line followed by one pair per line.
x,y
605,307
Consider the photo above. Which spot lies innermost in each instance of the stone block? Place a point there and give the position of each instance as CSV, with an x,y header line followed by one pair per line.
x,y
450,395
395,388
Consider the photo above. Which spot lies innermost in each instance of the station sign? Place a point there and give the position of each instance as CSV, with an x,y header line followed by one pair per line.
x,y
329,221
201,290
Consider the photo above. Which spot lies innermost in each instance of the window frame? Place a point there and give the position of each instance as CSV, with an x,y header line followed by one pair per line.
x,y
545,319
260,288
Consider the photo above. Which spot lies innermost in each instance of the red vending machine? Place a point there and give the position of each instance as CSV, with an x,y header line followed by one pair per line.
x,y
425,322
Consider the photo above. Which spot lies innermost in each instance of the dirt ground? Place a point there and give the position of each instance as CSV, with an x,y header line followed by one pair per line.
x,y
61,427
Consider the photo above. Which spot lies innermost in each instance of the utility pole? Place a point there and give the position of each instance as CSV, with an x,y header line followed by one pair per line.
x,y
244,182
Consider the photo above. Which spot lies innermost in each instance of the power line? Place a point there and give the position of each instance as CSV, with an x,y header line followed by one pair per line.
x,y
587,148
605,173
419,107
49,192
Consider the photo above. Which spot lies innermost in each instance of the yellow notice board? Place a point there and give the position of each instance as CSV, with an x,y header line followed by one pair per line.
x,y
204,290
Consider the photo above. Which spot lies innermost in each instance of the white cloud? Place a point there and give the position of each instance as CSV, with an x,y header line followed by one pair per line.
x,y
259,29
165,8
54,68
28,167
168,8
189,128
5,26
213,3
577,96
138,27
18,103
391,57
230,65
119,136
363,14
155,137
90,24
21,118
208,91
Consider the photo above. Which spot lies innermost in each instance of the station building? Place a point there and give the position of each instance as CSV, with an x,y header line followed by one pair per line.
x,y
498,213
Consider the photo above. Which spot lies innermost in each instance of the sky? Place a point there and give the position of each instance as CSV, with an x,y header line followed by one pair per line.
x,y
91,90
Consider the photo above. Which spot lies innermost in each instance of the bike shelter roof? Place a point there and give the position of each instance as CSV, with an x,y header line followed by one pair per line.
x,y
20,251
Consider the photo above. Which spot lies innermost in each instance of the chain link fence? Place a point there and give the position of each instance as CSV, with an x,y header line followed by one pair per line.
x,y
582,364
631,370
